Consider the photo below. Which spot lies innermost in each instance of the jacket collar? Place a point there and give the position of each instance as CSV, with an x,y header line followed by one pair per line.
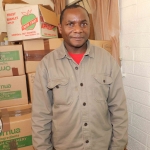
x,y
62,52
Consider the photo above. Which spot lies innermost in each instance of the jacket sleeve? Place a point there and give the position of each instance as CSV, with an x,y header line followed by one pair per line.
x,y
118,110
41,111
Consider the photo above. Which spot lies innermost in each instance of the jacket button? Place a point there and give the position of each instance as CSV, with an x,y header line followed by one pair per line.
x,y
85,124
76,68
87,141
84,104
81,84
104,81
57,86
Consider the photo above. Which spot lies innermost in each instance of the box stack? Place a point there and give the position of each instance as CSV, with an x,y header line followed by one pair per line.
x,y
18,63
11,73
13,99
34,28
15,128
34,51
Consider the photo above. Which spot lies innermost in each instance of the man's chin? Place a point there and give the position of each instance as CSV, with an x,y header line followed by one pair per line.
x,y
78,45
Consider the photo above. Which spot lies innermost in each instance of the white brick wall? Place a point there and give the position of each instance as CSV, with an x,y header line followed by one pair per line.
x,y
135,53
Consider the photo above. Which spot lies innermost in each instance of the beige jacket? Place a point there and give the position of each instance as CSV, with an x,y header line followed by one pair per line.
x,y
79,107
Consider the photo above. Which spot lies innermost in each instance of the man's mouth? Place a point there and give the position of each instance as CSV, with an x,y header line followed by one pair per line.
x,y
77,38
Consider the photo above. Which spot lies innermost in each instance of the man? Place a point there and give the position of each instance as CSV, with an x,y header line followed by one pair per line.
x,y
79,101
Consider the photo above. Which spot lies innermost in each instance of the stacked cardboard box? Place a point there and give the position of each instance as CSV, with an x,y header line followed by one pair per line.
x,y
15,128
24,22
34,51
30,22
13,100
12,76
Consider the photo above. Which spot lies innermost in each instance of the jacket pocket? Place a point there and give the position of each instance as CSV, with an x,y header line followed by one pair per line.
x,y
61,91
101,87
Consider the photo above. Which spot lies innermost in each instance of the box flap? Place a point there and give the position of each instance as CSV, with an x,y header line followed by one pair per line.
x,y
48,7
48,16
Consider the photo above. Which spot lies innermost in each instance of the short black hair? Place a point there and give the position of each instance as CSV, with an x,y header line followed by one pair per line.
x,y
71,7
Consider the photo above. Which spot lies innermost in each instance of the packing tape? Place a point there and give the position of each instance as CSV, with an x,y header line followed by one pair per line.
x,y
46,44
13,145
15,72
35,55
5,114
5,120
16,113
19,112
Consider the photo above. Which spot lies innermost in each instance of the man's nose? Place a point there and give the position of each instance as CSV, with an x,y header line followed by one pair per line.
x,y
78,28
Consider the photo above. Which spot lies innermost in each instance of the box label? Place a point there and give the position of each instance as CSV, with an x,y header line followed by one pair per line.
x,y
10,95
19,142
9,56
28,20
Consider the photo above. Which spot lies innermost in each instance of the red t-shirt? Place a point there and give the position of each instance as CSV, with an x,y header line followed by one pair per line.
x,y
76,57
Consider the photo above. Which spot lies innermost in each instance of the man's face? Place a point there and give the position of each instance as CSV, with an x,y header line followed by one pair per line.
x,y
75,27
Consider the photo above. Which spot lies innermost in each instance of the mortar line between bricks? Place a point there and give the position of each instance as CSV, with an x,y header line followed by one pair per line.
x,y
139,103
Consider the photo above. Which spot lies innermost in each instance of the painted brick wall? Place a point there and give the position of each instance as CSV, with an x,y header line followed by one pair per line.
x,y
2,14
135,54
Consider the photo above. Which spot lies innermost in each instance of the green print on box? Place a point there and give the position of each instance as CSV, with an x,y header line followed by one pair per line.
x,y
20,142
10,95
9,56
28,19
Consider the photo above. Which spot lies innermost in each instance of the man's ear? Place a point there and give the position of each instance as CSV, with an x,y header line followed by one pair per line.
x,y
60,28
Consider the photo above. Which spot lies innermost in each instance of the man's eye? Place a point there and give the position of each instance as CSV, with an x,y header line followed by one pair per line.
x,y
70,24
84,24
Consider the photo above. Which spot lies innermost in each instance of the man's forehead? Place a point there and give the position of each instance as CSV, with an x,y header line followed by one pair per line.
x,y
75,11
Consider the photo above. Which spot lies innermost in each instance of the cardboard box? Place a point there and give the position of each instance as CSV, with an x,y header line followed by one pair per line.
x,y
107,45
15,128
97,43
30,80
35,50
55,43
11,60
30,22
13,91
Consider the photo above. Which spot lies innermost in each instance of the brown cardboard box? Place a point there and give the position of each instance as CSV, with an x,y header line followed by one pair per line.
x,y
11,60
35,50
30,22
107,45
97,43
13,91
30,80
16,128
55,43
32,50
